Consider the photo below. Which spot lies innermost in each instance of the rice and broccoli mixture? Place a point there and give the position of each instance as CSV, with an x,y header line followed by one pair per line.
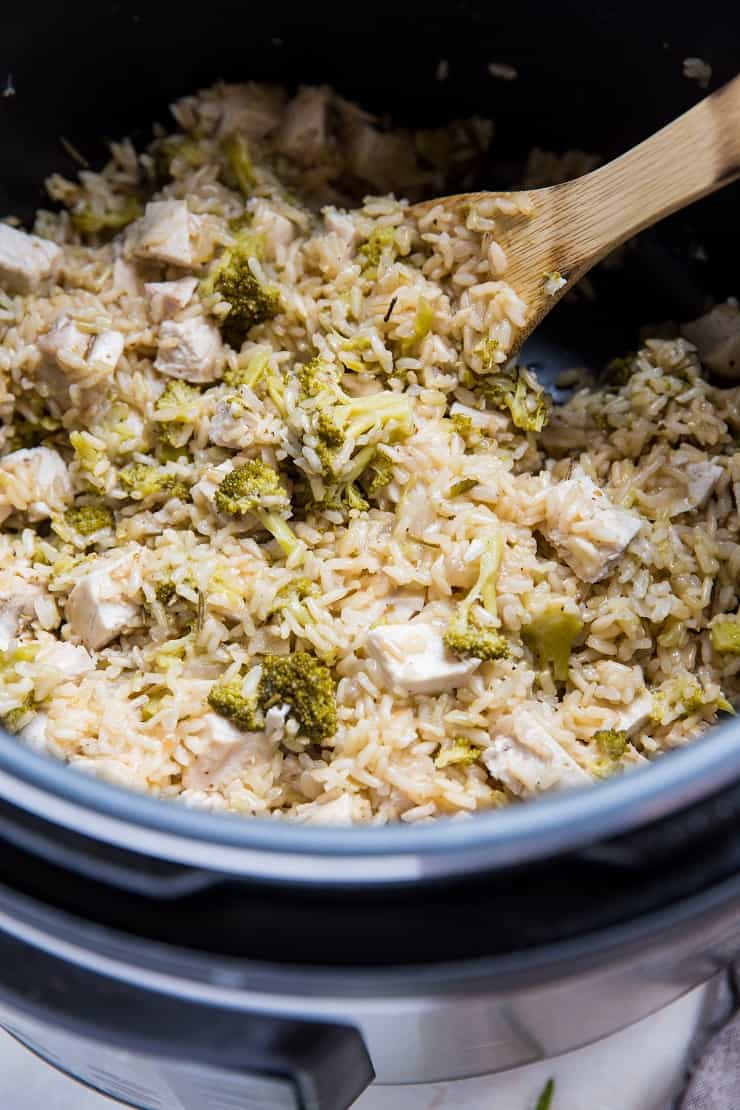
x,y
282,530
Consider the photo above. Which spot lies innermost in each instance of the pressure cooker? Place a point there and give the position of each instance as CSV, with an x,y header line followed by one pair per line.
x,y
173,958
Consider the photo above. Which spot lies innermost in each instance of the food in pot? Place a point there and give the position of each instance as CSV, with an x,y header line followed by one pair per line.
x,y
284,532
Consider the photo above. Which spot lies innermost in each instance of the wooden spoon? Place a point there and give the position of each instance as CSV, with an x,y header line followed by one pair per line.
x,y
574,225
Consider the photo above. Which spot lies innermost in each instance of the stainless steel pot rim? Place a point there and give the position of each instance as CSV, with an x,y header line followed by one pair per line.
x,y
272,849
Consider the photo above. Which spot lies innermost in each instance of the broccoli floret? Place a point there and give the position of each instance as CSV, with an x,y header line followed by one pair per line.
x,y
467,637
519,392
251,301
550,636
164,591
384,417
140,480
316,376
380,470
254,487
683,695
240,164
725,635
469,640
227,699
459,753
87,452
303,683
175,411
250,374
611,742
381,243
486,352
88,222
90,518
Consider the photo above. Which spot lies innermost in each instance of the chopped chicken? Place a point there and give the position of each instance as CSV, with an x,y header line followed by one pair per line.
x,y
232,425
225,750
717,337
588,531
532,761
34,733
634,716
189,349
168,297
15,605
168,232
34,481
125,278
303,132
99,606
71,660
413,658
339,811
105,351
25,260
702,478
73,355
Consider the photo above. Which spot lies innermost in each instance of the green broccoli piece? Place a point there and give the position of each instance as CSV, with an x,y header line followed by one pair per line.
x,y
683,695
234,280
306,685
176,410
465,636
240,165
611,742
227,699
165,591
544,1102
457,489
88,222
16,719
486,352
380,244
459,753
254,487
250,374
518,391
141,480
316,376
725,634
380,470
89,519
422,326
550,636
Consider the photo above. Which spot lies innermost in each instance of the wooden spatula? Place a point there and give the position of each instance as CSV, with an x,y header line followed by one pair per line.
x,y
574,225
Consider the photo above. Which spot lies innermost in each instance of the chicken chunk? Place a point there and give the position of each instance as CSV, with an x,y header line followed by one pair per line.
x,y
71,660
25,260
587,530
168,232
189,349
532,761
224,751
413,658
717,338
168,297
34,481
70,355
100,604
18,603
702,478
338,811
304,128
634,716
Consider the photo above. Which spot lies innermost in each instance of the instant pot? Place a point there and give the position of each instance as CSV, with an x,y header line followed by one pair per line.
x,y
176,959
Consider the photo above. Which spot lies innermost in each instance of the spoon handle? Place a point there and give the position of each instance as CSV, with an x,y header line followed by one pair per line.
x,y
691,157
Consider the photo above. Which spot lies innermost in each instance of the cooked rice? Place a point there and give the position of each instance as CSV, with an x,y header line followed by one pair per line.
x,y
201,592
